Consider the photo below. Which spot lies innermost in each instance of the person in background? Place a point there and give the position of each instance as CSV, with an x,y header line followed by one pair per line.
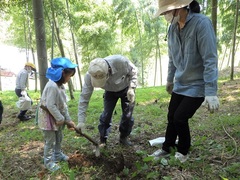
x,y
118,77
192,71
53,111
21,87
1,111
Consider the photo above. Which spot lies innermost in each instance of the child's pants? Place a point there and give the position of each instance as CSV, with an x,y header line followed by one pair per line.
x,y
52,146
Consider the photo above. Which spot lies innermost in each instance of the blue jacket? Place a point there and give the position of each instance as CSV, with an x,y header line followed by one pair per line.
x,y
193,60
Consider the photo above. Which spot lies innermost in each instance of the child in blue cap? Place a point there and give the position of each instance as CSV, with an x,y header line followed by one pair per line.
x,y
53,112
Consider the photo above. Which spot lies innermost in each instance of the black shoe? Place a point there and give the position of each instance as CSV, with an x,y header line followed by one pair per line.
x,y
103,142
24,118
124,141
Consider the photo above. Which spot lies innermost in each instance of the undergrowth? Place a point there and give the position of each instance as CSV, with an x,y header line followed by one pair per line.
x,y
214,153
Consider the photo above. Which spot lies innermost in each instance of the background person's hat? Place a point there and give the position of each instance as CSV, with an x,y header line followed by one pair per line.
x,y
31,65
98,69
167,5
57,66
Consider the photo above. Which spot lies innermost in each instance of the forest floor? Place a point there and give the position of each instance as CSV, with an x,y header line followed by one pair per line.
x,y
117,161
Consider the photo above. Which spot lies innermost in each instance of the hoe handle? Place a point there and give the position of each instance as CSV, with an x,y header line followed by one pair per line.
x,y
86,136
76,129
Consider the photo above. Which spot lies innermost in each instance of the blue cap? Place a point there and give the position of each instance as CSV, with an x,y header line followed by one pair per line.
x,y
57,66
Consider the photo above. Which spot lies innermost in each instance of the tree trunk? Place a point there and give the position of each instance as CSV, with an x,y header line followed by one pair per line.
x,y
28,40
25,37
40,41
155,72
160,64
222,62
214,15
74,46
140,37
60,45
158,55
234,40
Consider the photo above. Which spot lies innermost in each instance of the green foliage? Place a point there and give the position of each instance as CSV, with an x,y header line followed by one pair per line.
x,y
70,173
102,28
126,172
94,30
233,170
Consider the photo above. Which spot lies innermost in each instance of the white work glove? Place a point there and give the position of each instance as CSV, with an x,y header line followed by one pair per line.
x,y
131,95
169,87
81,126
212,102
23,93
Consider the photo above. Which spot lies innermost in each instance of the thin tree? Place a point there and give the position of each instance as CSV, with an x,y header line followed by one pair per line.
x,y
234,40
60,46
214,15
140,39
40,41
25,37
223,59
74,44
28,40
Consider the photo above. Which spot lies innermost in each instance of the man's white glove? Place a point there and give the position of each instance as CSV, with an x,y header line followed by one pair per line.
x,y
212,102
23,93
131,95
81,126
169,87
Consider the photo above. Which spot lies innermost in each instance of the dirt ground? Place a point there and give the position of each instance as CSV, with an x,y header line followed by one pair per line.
x,y
121,162
110,164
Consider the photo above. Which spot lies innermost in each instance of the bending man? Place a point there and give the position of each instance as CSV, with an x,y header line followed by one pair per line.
x,y
118,77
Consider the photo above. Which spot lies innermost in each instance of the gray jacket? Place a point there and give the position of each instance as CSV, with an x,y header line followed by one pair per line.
x,y
22,79
123,74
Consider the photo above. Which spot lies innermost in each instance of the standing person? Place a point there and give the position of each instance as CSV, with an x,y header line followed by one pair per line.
x,y
53,111
192,71
118,77
1,111
21,85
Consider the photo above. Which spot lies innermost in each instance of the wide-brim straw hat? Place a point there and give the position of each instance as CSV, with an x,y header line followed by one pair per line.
x,y
167,5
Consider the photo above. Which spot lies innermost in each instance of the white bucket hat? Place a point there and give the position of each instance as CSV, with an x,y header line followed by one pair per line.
x,y
98,69
167,5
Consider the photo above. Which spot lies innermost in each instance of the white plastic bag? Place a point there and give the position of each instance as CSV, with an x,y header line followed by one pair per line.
x,y
24,103
158,141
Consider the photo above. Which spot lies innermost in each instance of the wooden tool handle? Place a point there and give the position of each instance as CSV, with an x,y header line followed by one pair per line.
x,y
86,136
76,129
